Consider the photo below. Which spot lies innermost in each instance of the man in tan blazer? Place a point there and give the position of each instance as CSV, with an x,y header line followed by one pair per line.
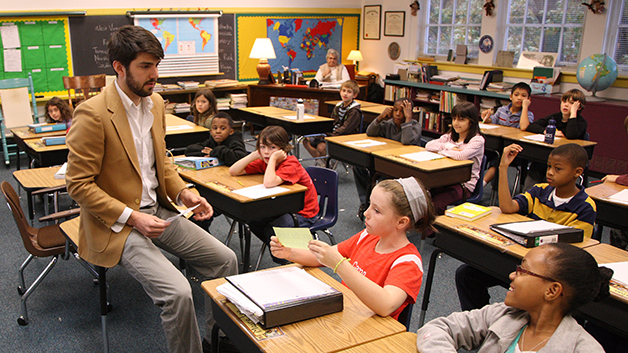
x,y
118,173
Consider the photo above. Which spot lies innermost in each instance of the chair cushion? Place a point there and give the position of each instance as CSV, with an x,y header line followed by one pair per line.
x,y
50,237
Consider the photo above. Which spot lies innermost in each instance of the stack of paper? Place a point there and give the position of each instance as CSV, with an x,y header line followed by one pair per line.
x,y
468,211
60,174
223,103
238,100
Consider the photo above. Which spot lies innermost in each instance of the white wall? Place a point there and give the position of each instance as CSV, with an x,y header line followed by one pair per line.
x,y
168,4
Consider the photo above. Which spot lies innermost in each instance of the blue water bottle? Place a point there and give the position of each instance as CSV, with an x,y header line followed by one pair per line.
x,y
550,131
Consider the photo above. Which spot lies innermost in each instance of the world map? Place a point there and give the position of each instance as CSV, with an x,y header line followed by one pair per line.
x,y
182,35
303,42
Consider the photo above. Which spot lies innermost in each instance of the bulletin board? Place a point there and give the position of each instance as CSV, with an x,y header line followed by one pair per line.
x,y
300,40
44,50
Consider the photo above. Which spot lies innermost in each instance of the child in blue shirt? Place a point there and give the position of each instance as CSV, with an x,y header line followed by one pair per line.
x,y
510,115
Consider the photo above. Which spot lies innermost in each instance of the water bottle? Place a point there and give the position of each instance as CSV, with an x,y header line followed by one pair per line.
x,y
550,131
300,110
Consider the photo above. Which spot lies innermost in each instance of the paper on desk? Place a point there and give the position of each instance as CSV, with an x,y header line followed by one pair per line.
x,y
244,304
297,238
422,156
60,174
182,213
620,271
488,126
366,143
621,196
538,137
294,117
532,226
281,285
259,191
178,127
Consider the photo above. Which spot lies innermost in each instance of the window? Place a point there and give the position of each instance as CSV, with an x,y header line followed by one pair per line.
x,y
554,26
618,31
453,22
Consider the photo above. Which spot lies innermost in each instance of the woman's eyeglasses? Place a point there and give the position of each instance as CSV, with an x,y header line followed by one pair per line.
x,y
521,270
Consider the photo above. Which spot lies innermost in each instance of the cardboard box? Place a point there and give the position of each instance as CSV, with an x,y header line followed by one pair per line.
x,y
544,88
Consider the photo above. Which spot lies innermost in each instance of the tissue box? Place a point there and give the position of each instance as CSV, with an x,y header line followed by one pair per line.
x,y
544,88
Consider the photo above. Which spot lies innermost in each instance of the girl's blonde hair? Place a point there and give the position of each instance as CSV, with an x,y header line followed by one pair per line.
x,y
402,206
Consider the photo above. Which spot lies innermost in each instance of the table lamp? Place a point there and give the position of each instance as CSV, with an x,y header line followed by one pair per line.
x,y
263,50
354,55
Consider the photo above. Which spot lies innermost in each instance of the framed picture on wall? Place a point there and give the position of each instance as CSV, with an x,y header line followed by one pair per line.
x,y
395,23
372,21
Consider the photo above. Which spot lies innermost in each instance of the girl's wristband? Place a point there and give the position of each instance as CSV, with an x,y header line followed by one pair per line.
x,y
339,262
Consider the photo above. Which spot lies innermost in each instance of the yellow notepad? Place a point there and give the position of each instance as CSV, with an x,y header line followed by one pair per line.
x,y
293,237
468,211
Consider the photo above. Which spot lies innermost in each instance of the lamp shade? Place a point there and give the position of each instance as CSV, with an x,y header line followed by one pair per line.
x,y
355,55
262,49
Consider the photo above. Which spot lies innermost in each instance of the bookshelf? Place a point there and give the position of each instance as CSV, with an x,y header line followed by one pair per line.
x,y
435,101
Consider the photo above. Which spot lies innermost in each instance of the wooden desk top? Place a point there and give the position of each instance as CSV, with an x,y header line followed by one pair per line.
x,y
344,139
38,146
355,325
520,136
499,130
404,342
173,121
38,178
376,109
601,191
284,114
219,179
394,154
494,239
71,229
604,254
363,104
24,133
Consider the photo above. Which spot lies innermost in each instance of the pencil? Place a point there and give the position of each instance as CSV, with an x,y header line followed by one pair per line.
x,y
595,181
239,182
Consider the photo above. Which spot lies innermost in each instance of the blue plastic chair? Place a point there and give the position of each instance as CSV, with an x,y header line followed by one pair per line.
x,y
406,316
478,191
326,183
9,84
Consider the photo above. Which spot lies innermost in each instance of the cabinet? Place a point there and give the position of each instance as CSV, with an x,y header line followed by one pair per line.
x,y
434,101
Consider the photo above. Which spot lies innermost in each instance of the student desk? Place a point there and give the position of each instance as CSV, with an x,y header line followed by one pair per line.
x,y
181,133
353,326
216,185
404,342
435,173
491,253
609,213
370,110
340,148
493,136
539,151
35,179
612,313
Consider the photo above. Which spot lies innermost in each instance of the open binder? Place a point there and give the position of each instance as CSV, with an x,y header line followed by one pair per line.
x,y
535,233
286,295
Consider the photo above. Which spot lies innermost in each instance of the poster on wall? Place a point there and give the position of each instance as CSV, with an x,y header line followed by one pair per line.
x,y
190,44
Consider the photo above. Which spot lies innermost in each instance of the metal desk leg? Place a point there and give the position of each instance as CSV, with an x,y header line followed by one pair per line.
x,y
428,285
215,338
244,229
104,307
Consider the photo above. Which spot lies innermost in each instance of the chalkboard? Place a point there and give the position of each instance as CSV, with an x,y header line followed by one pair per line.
x,y
226,46
89,36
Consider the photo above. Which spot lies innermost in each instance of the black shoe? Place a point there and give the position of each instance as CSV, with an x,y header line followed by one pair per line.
x,y
225,346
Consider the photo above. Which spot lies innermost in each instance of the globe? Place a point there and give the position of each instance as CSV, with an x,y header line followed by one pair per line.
x,y
597,72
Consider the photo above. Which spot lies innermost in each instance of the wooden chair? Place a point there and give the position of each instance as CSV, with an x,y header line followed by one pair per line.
x,y
83,87
17,108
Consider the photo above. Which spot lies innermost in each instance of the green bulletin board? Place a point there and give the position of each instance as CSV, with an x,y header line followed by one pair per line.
x,y
44,46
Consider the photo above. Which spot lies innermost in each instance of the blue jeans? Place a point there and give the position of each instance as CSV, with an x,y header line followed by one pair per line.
x,y
263,228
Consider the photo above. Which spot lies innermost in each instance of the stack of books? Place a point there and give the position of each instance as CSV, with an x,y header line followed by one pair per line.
x,y
221,83
188,84
499,86
182,108
170,87
238,100
223,103
170,107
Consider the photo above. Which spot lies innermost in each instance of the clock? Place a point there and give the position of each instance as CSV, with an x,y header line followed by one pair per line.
x,y
486,44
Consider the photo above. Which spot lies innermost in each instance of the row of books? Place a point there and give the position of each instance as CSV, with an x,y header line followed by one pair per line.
x,y
160,87
392,93
449,99
434,121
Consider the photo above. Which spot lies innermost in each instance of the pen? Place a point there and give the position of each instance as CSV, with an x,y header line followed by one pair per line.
x,y
595,181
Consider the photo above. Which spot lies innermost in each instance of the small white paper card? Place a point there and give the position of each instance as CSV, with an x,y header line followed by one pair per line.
x,y
259,191
182,213
294,117
488,126
297,238
538,137
622,197
366,143
422,156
